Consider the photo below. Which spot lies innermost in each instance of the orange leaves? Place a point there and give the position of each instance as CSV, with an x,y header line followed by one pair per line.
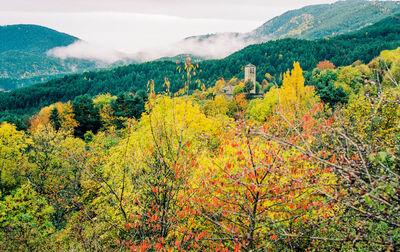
x,y
177,243
274,237
326,64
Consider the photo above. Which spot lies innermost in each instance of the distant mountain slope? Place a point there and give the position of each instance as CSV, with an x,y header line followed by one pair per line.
x,y
310,22
273,57
182,58
23,58
17,64
317,21
32,38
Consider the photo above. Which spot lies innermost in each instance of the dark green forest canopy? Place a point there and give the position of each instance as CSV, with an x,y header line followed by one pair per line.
x,y
273,57
32,38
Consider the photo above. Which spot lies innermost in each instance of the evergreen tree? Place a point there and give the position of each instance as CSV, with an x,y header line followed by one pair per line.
x,y
55,118
86,114
128,106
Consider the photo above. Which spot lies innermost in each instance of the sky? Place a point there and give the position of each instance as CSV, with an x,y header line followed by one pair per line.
x,y
130,26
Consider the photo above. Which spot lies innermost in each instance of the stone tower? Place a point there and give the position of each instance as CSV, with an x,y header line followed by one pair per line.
x,y
250,74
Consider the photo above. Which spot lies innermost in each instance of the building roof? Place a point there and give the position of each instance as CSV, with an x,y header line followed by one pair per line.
x,y
250,65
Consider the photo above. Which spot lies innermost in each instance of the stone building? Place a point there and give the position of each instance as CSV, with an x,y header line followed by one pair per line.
x,y
227,91
250,74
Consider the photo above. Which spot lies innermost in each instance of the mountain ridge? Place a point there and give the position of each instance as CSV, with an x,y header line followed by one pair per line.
x,y
24,58
332,19
309,22
32,38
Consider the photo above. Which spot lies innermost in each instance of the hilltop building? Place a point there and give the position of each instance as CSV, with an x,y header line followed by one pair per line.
x,y
250,74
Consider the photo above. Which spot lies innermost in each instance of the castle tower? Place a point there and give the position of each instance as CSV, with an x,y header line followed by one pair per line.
x,y
250,74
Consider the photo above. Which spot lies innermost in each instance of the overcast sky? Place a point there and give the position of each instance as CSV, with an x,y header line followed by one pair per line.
x,y
133,25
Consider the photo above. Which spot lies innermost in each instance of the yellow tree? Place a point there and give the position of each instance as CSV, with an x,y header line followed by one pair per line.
x,y
294,96
13,145
40,119
65,115
287,104
258,192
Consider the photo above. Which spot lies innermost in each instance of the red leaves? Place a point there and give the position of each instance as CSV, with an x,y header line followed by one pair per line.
x,y
274,237
238,247
158,246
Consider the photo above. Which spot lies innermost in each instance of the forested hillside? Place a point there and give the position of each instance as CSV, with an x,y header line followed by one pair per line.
x,y
181,58
273,58
317,21
32,39
23,58
305,168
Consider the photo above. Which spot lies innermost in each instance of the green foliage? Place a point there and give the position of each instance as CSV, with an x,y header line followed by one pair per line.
x,y
25,221
248,86
182,58
324,82
55,119
51,173
261,109
268,87
32,38
13,145
238,90
127,106
317,21
23,59
86,114
258,88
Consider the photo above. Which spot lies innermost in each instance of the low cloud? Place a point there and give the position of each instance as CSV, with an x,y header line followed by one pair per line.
x,y
217,45
84,50
213,46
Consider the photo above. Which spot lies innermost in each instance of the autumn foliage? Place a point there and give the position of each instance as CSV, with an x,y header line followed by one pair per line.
x,y
205,171
326,64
